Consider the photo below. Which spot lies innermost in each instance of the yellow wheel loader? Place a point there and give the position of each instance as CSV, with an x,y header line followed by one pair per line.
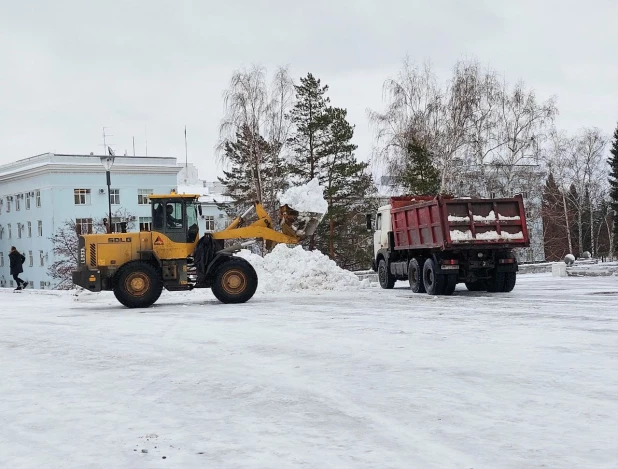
x,y
137,266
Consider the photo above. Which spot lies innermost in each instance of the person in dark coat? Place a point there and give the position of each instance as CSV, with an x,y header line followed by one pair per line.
x,y
17,259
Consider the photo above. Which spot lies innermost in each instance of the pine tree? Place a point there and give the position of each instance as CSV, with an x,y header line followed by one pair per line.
x,y
311,120
419,175
323,149
613,181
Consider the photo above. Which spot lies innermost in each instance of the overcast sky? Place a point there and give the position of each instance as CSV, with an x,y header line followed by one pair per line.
x,y
147,68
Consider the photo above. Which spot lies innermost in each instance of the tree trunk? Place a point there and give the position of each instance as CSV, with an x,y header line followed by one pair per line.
x,y
610,235
592,243
580,233
566,220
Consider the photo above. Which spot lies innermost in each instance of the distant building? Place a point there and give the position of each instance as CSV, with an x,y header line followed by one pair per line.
x,y
40,194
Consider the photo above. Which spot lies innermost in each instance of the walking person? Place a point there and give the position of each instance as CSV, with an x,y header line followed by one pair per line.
x,y
16,261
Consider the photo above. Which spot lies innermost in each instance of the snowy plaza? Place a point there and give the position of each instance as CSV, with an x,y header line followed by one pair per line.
x,y
357,378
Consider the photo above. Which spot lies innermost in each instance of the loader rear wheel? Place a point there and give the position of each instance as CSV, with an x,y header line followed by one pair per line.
x,y
138,285
235,281
387,280
415,276
434,283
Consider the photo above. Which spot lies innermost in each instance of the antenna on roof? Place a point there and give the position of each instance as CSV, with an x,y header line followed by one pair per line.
x,y
146,138
105,144
133,146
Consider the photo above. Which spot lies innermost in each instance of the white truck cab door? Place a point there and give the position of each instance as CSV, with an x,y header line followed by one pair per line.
x,y
383,225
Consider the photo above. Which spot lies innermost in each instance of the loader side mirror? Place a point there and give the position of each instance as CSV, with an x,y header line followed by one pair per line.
x,y
199,209
369,222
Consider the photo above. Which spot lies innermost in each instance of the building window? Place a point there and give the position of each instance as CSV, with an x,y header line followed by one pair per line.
x,y
8,205
1,259
31,258
145,223
1,231
210,222
117,224
83,226
17,202
9,230
38,198
142,196
114,196
27,200
42,258
40,228
29,229
42,285
82,196
19,227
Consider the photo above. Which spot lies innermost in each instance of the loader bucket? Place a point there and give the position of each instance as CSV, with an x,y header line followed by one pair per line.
x,y
299,224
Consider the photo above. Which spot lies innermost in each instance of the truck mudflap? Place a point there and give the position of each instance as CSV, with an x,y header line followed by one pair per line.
x,y
88,279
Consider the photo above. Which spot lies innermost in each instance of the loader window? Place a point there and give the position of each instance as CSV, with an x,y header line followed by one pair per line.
x,y
157,216
173,215
191,223
379,222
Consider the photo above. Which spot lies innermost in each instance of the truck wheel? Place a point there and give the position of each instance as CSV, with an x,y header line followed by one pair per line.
x,y
478,285
387,280
138,285
496,283
235,281
415,276
450,284
509,281
434,282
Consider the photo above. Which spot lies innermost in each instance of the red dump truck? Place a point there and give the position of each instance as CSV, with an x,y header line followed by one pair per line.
x,y
438,242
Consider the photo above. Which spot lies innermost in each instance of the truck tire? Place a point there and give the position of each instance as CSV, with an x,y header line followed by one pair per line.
x,y
434,282
509,281
478,285
235,281
415,276
387,280
138,284
450,284
496,283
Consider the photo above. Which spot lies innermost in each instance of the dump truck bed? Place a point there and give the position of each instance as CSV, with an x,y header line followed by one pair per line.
x,y
445,223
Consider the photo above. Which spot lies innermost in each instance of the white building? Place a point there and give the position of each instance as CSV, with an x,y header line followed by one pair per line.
x,y
40,194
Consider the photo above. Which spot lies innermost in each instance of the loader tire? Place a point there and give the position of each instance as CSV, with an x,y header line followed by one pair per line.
x,y
387,280
415,276
138,285
235,281
434,282
496,283
510,278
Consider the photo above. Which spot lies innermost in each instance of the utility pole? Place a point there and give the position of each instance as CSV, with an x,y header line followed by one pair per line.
x,y
186,164
133,146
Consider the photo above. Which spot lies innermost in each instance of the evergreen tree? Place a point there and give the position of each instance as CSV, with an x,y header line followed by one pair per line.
x,y
555,237
419,175
249,179
311,119
613,181
322,148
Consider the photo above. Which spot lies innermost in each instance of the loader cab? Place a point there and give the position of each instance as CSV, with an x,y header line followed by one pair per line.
x,y
176,216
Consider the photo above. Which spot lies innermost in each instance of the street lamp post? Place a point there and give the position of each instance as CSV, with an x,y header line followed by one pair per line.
x,y
107,161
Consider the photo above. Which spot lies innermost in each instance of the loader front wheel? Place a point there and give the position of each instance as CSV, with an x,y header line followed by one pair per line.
x,y
138,285
235,281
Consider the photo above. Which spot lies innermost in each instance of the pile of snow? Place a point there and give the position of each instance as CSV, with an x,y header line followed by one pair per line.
x,y
294,269
306,198
505,218
456,218
493,235
457,235
490,217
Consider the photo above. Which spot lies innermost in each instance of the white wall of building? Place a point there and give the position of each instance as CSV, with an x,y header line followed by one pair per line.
x,y
56,177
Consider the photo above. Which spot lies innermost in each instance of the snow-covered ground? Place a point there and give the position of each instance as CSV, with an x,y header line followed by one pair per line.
x,y
358,379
